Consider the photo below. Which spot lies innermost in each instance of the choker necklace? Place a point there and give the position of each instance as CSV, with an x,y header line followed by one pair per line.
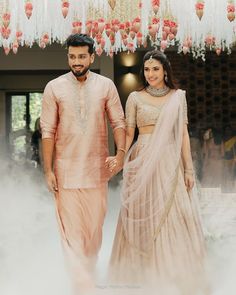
x,y
157,92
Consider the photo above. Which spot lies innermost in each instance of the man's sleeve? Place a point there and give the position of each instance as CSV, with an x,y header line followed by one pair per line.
x,y
114,108
49,114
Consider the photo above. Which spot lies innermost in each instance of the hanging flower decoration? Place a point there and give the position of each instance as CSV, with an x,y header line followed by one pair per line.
x,y
136,24
65,7
199,6
218,51
77,27
101,25
154,28
210,40
6,18
6,49
19,35
45,38
231,11
124,29
169,29
28,9
187,45
5,32
155,5
15,47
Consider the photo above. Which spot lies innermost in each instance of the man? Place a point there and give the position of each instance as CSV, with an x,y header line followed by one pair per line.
x,y
75,151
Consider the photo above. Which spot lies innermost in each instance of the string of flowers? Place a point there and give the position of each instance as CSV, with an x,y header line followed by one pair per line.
x,y
25,22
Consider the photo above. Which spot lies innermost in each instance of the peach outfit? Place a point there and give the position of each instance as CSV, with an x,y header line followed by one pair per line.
x,y
159,240
74,114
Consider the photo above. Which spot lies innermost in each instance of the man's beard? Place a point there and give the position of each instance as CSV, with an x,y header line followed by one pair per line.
x,y
80,74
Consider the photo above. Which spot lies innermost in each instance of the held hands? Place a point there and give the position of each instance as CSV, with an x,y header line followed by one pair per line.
x,y
51,182
188,179
115,163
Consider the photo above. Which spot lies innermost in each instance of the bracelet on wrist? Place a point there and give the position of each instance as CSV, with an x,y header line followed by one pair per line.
x,y
188,171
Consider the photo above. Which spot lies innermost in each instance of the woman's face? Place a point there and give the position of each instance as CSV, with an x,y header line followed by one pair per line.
x,y
154,73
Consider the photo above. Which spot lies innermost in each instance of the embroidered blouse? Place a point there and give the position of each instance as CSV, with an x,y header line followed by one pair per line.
x,y
140,113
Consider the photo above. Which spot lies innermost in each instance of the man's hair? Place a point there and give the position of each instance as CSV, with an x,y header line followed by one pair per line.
x,y
80,40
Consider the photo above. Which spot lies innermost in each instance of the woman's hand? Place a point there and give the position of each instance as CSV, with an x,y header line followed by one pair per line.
x,y
115,163
189,180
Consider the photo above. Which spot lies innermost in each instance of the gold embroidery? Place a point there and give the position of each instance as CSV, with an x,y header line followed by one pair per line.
x,y
112,3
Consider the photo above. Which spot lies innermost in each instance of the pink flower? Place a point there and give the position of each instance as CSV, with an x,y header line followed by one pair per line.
x,y
156,2
45,38
173,24
122,26
65,4
99,51
76,24
28,6
115,22
127,25
19,34
107,26
139,35
5,32
231,8
155,20
6,16
6,19
199,5
130,47
166,22
137,20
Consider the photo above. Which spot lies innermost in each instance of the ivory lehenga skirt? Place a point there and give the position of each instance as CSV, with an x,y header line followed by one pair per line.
x,y
177,251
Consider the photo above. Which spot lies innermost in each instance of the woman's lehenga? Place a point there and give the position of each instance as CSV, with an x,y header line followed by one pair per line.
x,y
159,239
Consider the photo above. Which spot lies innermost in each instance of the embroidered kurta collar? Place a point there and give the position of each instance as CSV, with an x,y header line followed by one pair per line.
x,y
89,76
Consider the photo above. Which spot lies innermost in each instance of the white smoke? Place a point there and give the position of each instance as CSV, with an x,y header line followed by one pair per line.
x,y
30,250
31,256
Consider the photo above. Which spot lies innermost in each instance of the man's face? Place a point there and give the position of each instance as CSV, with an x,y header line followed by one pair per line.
x,y
79,60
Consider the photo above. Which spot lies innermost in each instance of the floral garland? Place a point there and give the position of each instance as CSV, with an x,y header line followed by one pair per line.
x,y
115,25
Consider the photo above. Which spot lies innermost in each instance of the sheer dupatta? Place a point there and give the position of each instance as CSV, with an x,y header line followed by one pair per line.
x,y
157,164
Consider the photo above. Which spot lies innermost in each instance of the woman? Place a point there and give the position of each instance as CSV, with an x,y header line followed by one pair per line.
x,y
159,237
213,155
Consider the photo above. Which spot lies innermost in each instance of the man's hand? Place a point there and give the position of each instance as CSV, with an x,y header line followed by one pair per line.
x,y
51,181
115,163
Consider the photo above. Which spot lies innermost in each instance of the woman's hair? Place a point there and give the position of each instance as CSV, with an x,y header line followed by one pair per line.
x,y
162,58
80,40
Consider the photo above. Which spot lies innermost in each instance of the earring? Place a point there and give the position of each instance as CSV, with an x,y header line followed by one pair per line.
x,y
166,78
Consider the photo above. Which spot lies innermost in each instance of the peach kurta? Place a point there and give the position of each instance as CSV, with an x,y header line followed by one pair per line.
x,y
74,114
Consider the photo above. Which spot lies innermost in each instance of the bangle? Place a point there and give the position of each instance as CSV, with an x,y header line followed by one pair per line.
x,y
188,171
121,149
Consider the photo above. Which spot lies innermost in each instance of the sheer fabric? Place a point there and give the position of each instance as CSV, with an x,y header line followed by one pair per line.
x,y
159,234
